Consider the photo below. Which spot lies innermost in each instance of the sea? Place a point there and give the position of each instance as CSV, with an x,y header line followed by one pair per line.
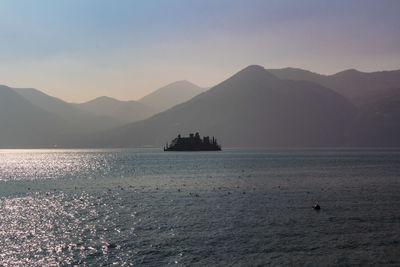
x,y
236,207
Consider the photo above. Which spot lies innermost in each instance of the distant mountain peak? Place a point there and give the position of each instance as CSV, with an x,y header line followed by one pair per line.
x,y
254,72
103,99
348,72
351,70
171,95
180,84
291,69
254,68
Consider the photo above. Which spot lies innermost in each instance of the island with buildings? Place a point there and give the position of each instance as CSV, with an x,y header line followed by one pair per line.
x,y
193,143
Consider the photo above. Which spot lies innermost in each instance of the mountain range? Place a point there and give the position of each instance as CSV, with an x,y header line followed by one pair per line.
x,y
376,96
255,107
121,112
359,87
31,118
252,108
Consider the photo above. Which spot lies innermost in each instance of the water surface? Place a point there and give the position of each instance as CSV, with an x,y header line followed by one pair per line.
x,y
235,207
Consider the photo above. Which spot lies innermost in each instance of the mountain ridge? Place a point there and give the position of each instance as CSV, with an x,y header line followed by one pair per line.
x,y
255,107
351,83
24,125
77,119
122,111
171,95
252,108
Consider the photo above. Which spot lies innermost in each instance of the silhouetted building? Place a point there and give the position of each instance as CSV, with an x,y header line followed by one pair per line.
x,y
193,143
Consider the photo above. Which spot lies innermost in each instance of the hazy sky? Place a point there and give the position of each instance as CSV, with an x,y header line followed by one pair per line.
x,y
78,50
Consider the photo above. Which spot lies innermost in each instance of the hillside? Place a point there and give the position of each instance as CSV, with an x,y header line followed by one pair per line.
x,y
23,124
378,121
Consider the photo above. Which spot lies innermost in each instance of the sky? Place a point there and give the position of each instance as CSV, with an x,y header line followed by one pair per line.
x,y
78,50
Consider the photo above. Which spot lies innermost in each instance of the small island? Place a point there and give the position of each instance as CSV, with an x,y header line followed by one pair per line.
x,y
193,143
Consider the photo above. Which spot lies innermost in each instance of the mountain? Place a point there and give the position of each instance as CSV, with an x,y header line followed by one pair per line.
x,y
377,122
361,86
171,95
357,86
297,74
122,111
376,95
253,108
77,119
23,124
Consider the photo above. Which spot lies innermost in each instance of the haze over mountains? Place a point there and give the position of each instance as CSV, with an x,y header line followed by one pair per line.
x,y
253,108
75,120
171,95
121,111
131,111
24,124
359,87
376,95
31,118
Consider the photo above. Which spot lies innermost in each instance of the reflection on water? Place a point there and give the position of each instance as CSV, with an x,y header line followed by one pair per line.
x,y
244,207
53,164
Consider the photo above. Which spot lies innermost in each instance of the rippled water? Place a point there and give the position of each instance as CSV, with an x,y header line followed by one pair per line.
x,y
235,207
